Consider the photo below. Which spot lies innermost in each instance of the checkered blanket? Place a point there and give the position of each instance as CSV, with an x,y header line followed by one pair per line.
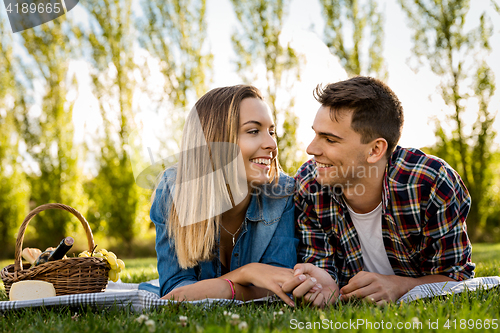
x,y
127,295
449,288
122,295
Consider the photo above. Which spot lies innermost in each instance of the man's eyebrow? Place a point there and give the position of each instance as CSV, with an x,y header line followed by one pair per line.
x,y
328,134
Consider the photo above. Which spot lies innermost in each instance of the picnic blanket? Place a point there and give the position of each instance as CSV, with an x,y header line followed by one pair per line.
x,y
449,288
121,295
128,295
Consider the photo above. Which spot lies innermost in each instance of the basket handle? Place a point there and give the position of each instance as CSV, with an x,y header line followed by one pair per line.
x,y
18,265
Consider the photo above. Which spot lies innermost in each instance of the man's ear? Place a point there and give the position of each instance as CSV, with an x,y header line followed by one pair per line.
x,y
377,151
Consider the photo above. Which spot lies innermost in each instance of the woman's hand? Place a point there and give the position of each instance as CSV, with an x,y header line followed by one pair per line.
x,y
263,276
211,288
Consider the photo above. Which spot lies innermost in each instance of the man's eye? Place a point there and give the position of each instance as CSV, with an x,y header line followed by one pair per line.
x,y
330,140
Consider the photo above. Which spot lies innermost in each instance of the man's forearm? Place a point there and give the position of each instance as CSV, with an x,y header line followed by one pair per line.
x,y
381,288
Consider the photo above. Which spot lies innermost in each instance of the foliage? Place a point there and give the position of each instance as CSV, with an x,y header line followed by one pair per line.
x,y
356,23
258,48
114,198
56,177
458,57
492,225
14,194
476,306
175,32
495,5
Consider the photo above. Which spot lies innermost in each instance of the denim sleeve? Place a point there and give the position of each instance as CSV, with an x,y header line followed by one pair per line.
x,y
171,274
282,250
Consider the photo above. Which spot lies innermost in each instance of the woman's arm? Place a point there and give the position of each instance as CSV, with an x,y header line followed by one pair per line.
x,y
216,288
257,280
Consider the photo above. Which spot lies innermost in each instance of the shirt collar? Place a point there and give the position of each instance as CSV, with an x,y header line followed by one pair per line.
x,y
339,199
386,198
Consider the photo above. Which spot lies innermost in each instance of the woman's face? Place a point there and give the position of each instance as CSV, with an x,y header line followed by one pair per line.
x,y
257,140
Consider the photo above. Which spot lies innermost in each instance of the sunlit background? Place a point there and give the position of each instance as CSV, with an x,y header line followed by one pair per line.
x,y
416,87
75,90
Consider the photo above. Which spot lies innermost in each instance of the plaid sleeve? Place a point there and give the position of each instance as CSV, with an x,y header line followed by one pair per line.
x,y
446,248
314,246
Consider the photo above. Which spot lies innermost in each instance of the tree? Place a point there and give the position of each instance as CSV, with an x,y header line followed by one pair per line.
x,y
49,136
114,198
258,49
175,33
459,58
493,220
14,195
496,5
362,23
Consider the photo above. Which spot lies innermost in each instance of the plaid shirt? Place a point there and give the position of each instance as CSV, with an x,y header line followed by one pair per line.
x,y
425,204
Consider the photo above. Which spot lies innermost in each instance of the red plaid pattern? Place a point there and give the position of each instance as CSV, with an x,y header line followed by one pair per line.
x,y
425,204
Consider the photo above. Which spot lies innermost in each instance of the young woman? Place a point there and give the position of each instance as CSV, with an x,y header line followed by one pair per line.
x,y
224,215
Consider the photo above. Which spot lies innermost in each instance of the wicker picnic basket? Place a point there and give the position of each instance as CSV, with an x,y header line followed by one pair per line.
x,y
69,276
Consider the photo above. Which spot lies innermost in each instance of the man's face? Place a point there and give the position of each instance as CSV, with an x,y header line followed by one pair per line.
x,y
339,156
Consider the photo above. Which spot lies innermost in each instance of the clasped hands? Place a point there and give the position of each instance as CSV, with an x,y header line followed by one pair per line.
x,y
306,281
315,286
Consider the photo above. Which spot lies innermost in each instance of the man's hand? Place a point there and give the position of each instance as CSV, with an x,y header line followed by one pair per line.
x,y
380,289
312,284
376,288
210,288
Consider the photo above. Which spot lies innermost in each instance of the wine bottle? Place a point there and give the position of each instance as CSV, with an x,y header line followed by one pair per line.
x,y
43,258
62,249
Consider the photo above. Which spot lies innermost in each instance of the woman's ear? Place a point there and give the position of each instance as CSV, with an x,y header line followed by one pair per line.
x,y
378,150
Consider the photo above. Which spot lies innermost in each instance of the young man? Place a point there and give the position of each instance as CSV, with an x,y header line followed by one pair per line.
x,y
375,219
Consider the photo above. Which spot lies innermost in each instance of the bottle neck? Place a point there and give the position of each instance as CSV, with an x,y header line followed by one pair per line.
x,y
62,249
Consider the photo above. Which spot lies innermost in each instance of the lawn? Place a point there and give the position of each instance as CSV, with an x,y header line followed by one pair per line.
x,y
478,311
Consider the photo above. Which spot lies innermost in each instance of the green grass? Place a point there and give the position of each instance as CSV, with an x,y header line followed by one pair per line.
x,y
487,259
464,312
139,270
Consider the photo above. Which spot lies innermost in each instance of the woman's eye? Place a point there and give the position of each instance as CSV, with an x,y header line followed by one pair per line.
x,y
273,133
255,131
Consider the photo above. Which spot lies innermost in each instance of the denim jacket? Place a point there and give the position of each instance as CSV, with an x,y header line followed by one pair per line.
x,y
267,235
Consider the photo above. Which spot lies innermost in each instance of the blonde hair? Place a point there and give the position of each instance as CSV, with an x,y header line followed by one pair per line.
x,y
208,180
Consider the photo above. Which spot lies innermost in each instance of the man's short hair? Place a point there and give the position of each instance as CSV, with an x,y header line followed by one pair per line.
x,y
376,110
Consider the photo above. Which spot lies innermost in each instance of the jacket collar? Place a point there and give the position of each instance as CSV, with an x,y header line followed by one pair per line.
x,y
266,204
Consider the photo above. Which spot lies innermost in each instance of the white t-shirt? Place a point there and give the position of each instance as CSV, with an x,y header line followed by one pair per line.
x,y
369,229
